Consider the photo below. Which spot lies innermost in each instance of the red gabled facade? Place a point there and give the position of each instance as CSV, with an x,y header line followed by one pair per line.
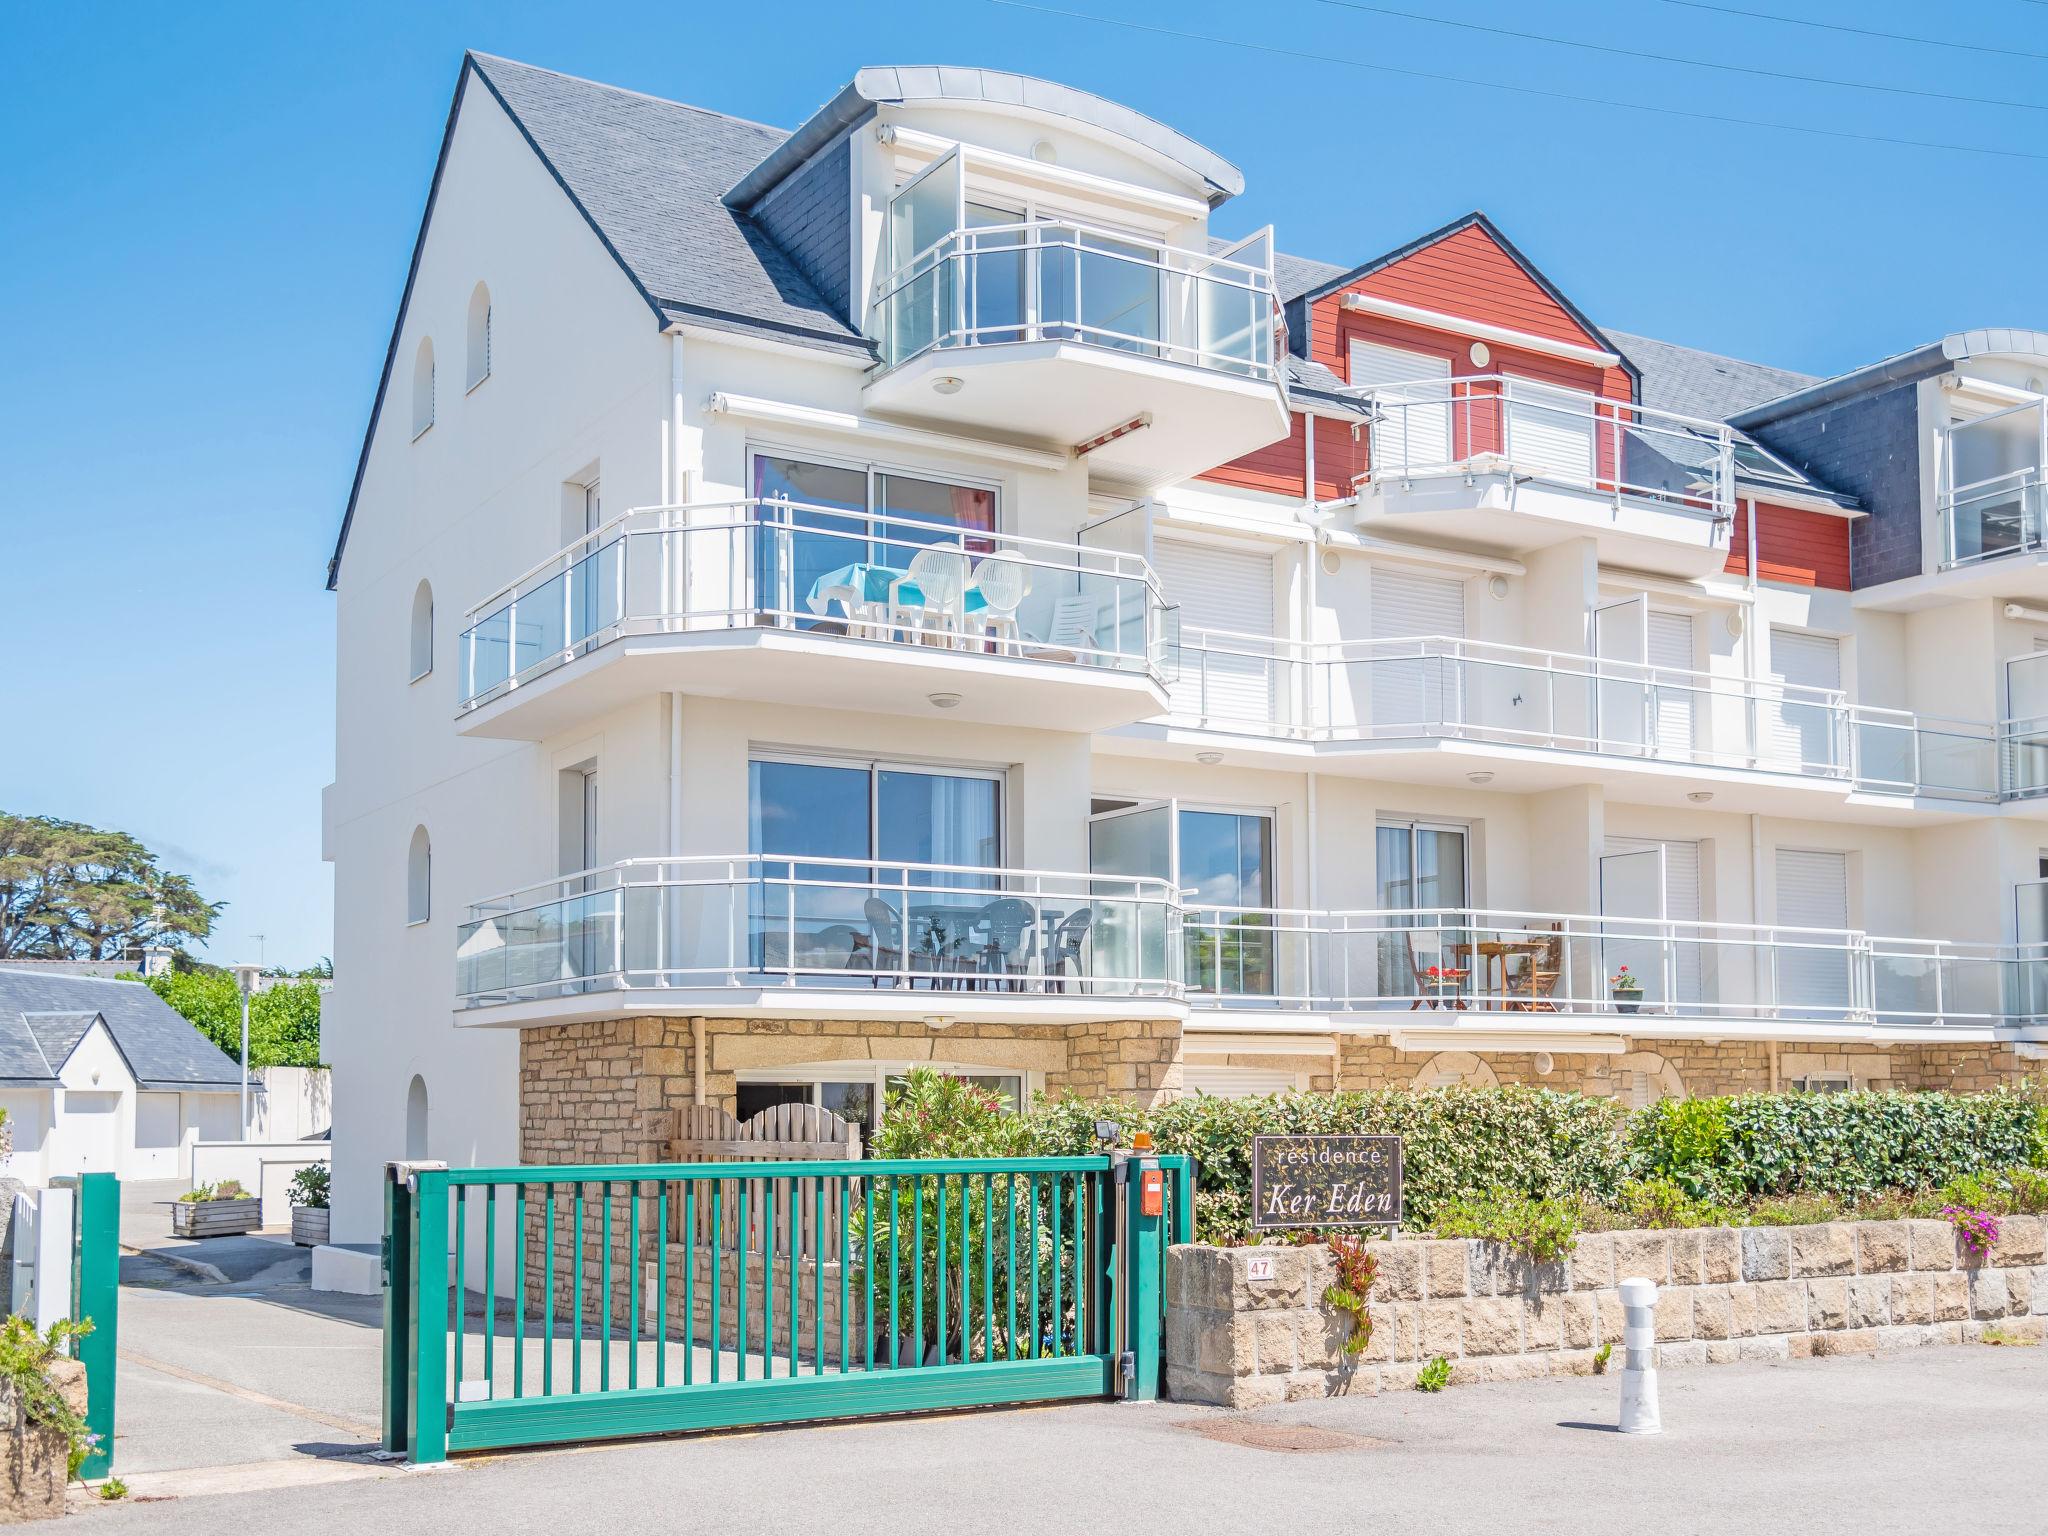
x,y
1469,271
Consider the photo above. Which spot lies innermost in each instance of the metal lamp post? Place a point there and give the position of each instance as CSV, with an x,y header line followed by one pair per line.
x,y
245,981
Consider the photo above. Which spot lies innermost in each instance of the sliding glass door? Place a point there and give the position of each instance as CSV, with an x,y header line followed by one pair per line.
x,y
873,915
1421,871
1221,862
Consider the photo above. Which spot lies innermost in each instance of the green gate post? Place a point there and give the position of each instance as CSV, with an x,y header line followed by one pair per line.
x,y
398,1286
428,1412
1141,1296
96,1276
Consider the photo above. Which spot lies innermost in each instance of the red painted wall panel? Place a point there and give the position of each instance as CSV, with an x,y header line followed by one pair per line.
x,y
1793,546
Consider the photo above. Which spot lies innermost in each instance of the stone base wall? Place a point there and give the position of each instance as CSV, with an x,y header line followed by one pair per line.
x,y
1757,1293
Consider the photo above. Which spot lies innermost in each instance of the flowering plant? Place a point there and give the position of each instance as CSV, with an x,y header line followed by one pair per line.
x,y
1979,1228
1622,981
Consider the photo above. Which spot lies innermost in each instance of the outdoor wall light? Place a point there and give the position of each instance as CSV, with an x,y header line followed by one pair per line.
x,y
948,383
937,1021
1545,1065
943,700
1211,758
1699,796
1497,586
1482,777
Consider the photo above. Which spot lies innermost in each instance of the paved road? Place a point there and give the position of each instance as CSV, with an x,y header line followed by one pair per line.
x,y
1924,1440
146,1227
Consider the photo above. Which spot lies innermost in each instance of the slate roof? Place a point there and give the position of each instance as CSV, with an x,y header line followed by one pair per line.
x,y
1696,383
43,1017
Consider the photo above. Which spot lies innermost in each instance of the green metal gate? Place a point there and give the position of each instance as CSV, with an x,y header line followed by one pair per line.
x,y
535,1305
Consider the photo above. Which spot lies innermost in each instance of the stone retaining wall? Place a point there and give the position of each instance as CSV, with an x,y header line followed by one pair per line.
x,y
1752,1293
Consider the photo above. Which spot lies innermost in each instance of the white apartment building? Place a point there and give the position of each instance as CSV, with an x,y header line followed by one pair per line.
x,y
926,588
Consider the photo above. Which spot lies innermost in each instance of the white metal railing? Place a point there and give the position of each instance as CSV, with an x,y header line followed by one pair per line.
x,y
1458,960
1067,281
1994,478
1615,448
1440,687
777,564
756,921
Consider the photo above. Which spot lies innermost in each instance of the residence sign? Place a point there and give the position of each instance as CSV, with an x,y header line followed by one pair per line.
x,y
1326,1181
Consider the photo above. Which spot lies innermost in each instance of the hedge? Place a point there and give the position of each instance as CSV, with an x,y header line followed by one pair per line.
x,y
1542,1143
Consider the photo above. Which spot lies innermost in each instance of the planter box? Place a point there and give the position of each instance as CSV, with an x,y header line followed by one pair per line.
x,y
37,1459
215,1218
309,1226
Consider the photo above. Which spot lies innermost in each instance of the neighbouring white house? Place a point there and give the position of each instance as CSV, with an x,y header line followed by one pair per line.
x,y
936,586
100,1075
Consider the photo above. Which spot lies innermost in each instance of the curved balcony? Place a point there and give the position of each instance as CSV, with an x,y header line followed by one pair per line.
x,y
818,606
1155,361
1387,695
832,938
1504,463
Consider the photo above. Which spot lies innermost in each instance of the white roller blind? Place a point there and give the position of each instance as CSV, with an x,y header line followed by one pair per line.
x,y
1415,425
1671,642
1802,729
1410,604
1813,892
1238,1082
1230,590
1550,431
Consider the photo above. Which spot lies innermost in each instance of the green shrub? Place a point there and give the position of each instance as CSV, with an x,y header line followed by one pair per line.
x,y
1545,1230
1528,1141
25,1360
226,1189
1683,1142
2001,1191
310,1185
1435,1376
1794,1211
1664,1202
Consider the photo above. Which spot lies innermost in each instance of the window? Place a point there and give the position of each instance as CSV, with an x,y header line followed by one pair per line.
x,y
422,632
419,860
839,915
835,522
857,1090
423,386
1222,862
479,350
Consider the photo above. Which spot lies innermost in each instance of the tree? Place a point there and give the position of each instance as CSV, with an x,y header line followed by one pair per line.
x,y
284,1022
73,892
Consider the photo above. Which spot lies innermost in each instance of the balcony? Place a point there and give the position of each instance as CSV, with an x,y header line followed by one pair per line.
x,y
1506,464
1990,500
1460,969
1390,695
1153,361
833,938
817,606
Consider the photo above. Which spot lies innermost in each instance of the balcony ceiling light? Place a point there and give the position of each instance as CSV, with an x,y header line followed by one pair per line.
x,y
1481,777
943,700
1699,796
1211,758
937,1021
948,384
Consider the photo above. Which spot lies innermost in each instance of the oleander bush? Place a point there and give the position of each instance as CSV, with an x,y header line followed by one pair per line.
x,y
1754,1157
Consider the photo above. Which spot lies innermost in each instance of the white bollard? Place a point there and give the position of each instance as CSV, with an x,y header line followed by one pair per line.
x,y
1639,1342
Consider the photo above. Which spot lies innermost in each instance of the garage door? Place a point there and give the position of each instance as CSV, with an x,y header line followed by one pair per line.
x,y
1412,692
1228,669
1813,971
1802,731
1414,425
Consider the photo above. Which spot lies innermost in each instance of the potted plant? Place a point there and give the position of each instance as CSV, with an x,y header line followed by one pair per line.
x,y
42,1405
309,1205
216,1210
1627,989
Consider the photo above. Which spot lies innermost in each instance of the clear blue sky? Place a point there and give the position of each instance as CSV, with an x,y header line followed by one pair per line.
x,y
208,211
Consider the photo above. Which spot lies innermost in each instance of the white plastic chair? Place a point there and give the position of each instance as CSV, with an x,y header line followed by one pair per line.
x,y
1002,584
940,576
1072,630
